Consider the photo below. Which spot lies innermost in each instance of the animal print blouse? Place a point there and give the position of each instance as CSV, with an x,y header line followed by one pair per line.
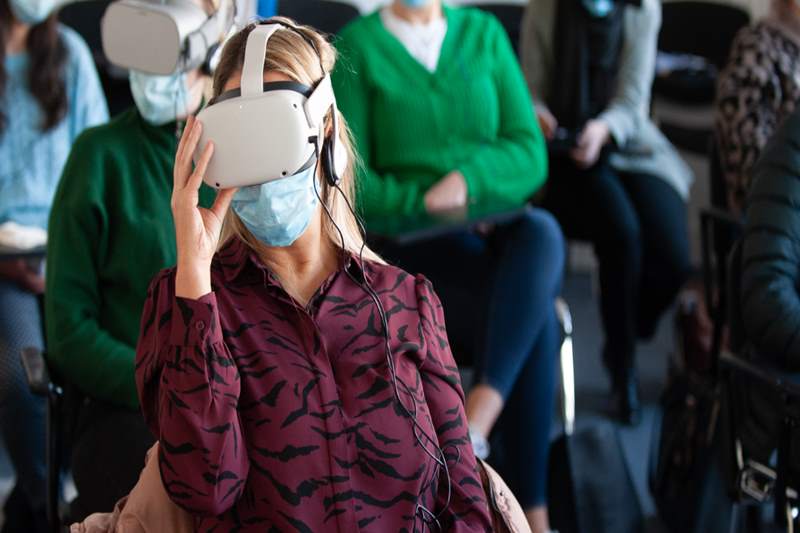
x,y
757,90
277,417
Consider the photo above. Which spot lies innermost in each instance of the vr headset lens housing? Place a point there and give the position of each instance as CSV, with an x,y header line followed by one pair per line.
x,y
263,131
147,36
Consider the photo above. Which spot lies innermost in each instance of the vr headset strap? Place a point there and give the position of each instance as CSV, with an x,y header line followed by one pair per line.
x,y
255,53
199,42
319,102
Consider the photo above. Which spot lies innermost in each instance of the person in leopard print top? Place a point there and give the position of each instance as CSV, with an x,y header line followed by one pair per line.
x,y
758,89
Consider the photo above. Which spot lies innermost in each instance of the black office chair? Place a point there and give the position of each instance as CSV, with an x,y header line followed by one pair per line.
x,y
705,30
510,16
84,17
327,16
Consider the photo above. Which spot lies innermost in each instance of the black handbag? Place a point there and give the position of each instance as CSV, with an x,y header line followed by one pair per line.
x,y
589,488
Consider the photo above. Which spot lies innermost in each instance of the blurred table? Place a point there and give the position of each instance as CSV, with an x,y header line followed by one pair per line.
x,y
407,229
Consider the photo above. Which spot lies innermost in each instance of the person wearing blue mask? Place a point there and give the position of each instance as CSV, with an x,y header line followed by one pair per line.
x,y
110,232
616,180
49,93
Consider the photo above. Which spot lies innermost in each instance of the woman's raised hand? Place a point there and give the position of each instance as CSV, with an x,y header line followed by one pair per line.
x,y
197,229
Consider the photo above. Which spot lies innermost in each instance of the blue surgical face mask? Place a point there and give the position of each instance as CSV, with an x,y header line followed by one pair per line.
x,y
598,8
279,211
31,11
160,99
416,3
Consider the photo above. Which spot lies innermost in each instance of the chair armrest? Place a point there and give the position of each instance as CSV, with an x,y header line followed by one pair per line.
x,y
36,370
786,383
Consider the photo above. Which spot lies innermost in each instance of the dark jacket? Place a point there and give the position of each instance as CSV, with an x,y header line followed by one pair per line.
x,y
770,283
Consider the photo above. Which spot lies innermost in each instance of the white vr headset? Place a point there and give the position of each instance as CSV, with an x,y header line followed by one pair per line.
x,y
163,37
266,131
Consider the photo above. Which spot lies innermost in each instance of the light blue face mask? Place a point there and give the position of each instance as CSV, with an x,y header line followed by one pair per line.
x,y
31,11
160,99
598,8
279,211
415,3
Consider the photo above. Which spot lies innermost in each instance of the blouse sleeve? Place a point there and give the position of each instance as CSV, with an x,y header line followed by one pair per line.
x,y
468,509
631,101
189,387
746,112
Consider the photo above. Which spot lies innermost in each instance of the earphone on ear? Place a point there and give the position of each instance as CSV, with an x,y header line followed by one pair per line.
x,y
334,155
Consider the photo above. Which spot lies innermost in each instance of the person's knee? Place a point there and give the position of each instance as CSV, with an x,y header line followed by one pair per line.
x,y
539,233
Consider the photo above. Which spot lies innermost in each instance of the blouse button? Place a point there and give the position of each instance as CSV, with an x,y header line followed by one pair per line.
x,y
200,325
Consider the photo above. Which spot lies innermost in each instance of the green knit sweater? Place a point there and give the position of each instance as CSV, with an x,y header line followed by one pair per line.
x,y
412,127
110,232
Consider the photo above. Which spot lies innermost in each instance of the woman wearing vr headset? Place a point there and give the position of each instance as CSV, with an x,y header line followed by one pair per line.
x,y
49,92
110,233
296,381
616,181
442,117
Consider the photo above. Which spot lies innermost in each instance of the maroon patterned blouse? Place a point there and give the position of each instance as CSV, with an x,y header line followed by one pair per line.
x,y
274,417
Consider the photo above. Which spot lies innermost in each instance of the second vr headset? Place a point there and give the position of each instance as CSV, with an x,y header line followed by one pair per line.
x,y
163,37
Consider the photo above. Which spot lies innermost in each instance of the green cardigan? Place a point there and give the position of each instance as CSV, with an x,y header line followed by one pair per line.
x,y
412,127
110,232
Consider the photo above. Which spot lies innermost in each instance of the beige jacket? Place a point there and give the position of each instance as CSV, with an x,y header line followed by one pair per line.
x,y
627,114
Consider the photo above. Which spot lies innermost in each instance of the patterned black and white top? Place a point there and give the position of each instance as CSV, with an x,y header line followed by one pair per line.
x,y
757,91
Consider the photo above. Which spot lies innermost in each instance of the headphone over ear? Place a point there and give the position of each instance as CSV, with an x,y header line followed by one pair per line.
x,y
333,156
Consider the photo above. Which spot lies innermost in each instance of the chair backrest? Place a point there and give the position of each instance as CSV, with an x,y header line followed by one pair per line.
x,y
328,16
510,16
705,29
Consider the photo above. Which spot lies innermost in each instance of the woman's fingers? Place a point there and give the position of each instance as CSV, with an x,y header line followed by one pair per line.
x,y
183,160
196,177
185,135
223,202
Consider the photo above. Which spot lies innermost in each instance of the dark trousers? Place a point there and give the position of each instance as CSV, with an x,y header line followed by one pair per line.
x,y
637,225
108,455
498,292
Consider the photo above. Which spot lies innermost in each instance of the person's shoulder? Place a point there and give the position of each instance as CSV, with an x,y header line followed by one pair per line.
x,y
98,143
388,277
359,27
779,157
110,136
77,49
472,18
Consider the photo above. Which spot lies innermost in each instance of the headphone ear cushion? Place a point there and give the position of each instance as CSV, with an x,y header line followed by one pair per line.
x,y
328,166
339,159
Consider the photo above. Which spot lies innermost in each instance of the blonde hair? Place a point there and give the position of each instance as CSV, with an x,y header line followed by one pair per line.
x,y
290,54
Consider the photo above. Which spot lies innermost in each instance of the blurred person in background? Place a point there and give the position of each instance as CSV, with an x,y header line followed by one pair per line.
x,y
615,180
442,119
49,92
757,90
110,232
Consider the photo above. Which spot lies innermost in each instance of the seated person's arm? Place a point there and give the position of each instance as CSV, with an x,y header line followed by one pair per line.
x,y
630,103
514,166
378,194
745,116
468,510
189,387
86,354
770,303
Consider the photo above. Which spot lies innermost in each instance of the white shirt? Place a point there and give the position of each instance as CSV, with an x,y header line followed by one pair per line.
x,y
422,41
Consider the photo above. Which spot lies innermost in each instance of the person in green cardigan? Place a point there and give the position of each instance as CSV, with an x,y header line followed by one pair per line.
x,y
442,118
110,232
